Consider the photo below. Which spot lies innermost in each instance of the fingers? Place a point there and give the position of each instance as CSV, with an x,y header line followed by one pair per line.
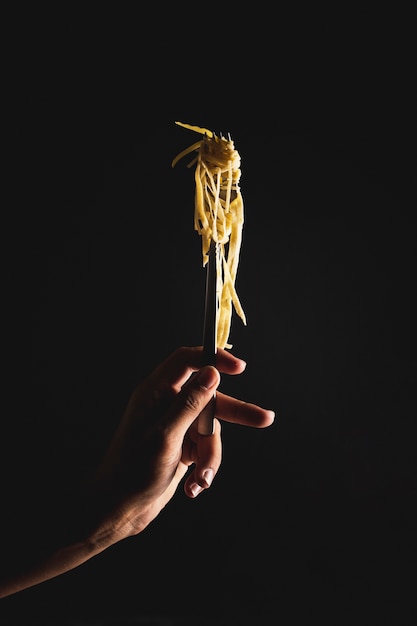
x,y
205,452
190,401
207,462
192,393
237,411
208,450
208,454
179,366
170,400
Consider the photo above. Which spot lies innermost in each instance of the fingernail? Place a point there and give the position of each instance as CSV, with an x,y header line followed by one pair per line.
x,y
207,377
208,476
195,489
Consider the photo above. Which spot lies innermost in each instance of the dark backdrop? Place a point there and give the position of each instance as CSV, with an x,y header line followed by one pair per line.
x,y
312,519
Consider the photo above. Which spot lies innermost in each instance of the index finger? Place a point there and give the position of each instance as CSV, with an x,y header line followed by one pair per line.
x,y
177,368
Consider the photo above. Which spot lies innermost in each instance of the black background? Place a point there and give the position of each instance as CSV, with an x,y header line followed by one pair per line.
x,y
313,518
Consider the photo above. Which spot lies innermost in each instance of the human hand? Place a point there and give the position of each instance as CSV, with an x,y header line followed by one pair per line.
x,y
157,440
155,444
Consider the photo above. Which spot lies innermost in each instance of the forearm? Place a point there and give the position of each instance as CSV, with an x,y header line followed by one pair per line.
x,y
59,562
65,541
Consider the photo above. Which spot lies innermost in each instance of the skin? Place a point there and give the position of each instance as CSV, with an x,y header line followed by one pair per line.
x,y
156,446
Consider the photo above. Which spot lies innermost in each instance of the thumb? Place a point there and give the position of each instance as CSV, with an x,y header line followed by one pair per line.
x,y
193,397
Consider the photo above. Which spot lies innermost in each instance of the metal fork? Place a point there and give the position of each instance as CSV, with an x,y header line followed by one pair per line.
x,y
206,417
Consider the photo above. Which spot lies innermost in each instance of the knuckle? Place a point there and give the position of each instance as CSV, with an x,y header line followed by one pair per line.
x,y
192,402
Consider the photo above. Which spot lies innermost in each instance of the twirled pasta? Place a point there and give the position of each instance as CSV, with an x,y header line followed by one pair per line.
x,y
218,216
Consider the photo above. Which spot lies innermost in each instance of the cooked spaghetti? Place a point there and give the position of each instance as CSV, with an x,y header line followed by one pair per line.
x,y
218,216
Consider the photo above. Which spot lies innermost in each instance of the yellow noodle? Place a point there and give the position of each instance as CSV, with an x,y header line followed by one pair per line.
x,y
218,216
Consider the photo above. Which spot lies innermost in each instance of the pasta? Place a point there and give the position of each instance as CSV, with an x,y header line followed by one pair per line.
x,y
218,217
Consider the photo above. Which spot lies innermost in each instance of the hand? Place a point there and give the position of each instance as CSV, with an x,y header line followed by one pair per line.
x,y
154,446
157,440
